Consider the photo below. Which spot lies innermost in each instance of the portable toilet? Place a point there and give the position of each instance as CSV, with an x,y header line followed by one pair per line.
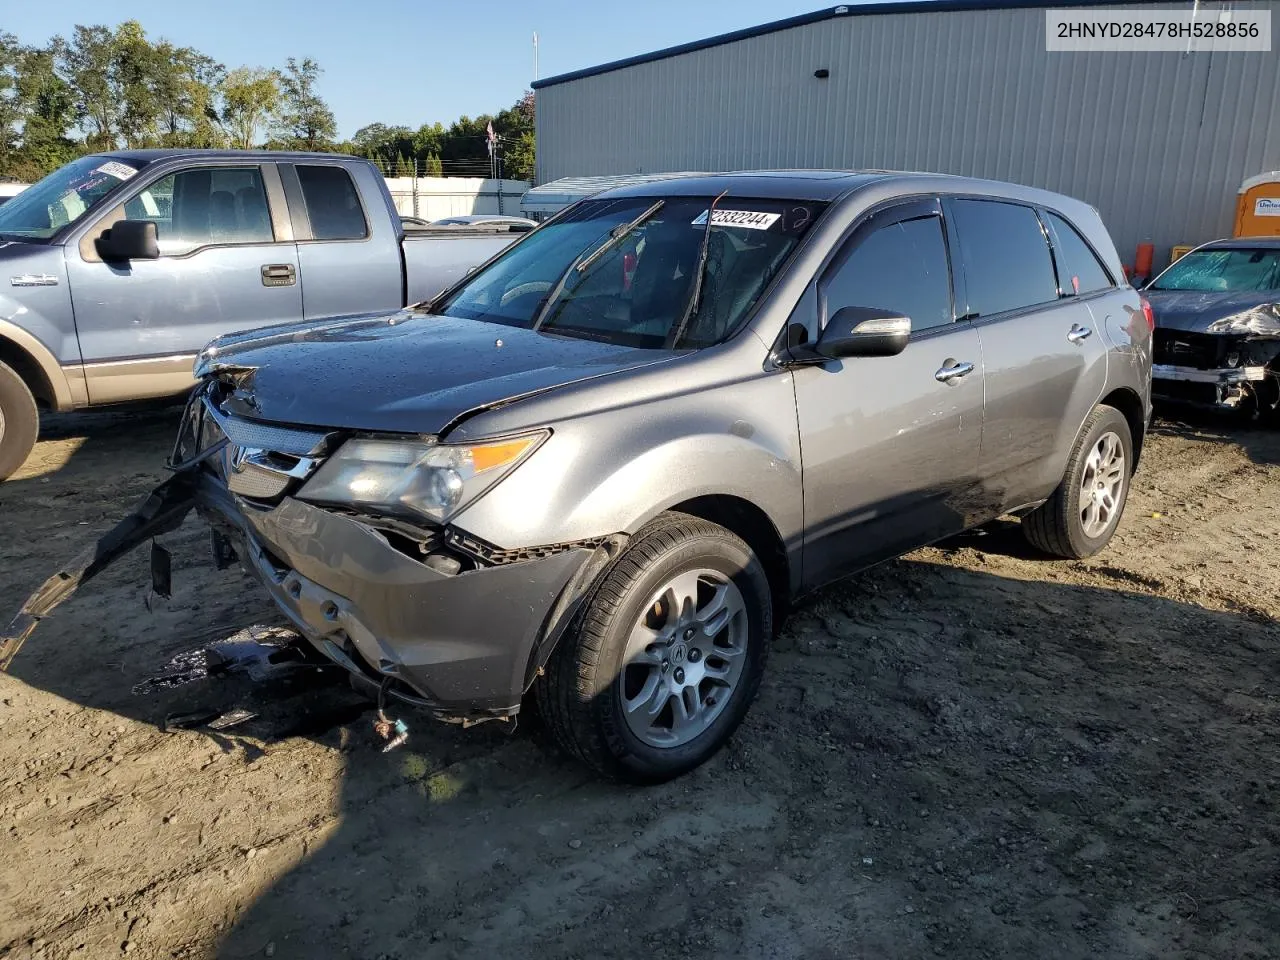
x,y
1258,206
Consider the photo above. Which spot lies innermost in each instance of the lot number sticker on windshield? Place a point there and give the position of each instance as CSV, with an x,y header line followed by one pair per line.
x,y
748,219
114,168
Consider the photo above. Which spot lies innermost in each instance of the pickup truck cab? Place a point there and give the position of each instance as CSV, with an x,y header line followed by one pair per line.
x,y
118,267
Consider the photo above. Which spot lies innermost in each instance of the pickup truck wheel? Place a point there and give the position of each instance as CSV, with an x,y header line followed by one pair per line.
x,y
666,656
19,421
1083,513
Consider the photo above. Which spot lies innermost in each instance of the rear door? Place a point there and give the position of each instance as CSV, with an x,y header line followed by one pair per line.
x,y
348,251
1046,364
227,263
889,444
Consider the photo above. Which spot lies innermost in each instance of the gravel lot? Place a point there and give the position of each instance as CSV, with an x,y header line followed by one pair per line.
x,y
970,752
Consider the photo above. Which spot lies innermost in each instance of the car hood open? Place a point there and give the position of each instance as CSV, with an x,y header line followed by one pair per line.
x,y
1193,311
405,372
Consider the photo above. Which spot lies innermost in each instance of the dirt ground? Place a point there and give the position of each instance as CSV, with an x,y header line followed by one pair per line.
x,y
970,752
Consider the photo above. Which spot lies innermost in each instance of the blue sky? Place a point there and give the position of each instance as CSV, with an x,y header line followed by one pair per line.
x,y
410,63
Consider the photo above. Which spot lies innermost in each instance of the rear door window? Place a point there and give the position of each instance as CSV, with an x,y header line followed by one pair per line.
x,y
1007,265
900,267
1081,270
333,205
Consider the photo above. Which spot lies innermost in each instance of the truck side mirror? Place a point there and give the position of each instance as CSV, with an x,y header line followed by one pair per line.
x,y
864,332
130,240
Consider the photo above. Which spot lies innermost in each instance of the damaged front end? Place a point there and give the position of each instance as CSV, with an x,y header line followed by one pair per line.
x,y
419,610
1233,361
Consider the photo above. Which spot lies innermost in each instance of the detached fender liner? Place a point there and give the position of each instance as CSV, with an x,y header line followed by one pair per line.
x,y
163,510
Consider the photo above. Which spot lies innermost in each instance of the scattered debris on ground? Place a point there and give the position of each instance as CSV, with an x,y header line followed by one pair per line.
x,y
970,752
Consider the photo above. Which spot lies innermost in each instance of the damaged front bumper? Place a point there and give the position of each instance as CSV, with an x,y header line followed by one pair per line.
x,y
464,645
463,639
1215,369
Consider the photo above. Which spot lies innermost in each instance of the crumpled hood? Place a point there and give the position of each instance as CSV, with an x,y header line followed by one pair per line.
x,y
1193,311
404,372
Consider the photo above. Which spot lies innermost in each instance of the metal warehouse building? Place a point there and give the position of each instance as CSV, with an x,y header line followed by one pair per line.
x,y
1158,142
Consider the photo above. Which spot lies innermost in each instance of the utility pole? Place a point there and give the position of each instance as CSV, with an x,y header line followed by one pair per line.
x,y
535,56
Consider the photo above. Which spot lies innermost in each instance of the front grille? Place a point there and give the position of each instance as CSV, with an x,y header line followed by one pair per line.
x,y
258,461
265,436
1203,351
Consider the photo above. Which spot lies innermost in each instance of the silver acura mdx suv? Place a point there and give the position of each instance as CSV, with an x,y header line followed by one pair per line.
x,y
602,466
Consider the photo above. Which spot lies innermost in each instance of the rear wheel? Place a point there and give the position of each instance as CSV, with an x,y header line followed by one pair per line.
x,y
666,657
1083,513
19,421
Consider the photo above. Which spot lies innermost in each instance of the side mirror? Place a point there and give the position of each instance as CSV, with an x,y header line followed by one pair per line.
x,y
130,240
864,332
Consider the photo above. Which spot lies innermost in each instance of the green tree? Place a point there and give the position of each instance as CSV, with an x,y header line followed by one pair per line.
x,y
305,120
139,69
186,84
433,167
88,65
518,157
48,111
426,142
250,101
384,144
10,101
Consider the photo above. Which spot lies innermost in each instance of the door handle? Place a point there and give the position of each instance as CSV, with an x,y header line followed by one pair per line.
x,y
953,370
1078,334
278,275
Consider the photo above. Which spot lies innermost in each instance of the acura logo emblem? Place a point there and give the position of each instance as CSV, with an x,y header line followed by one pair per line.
x,y
241,456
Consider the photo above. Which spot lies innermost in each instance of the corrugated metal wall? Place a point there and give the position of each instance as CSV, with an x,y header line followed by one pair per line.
x,y
1159,142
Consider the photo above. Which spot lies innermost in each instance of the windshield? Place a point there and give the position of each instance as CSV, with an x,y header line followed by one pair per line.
x,y
586,275
1223,271
62,197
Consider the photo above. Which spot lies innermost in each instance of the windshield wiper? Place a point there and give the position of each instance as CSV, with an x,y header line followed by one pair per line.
x,y
695,297
586,260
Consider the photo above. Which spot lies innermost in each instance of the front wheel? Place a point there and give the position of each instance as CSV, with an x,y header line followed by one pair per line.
x,y
1083,513
666,657
19,421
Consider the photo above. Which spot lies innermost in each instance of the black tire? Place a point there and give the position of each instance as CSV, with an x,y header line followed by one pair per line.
x,y
1261,403
1056,526
19,422
579,695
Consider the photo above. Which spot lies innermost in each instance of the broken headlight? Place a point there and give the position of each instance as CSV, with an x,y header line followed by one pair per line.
x,y
1263,321
433,480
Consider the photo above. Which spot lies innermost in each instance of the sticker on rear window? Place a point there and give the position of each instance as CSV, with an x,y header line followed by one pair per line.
x,y
748,219
114,168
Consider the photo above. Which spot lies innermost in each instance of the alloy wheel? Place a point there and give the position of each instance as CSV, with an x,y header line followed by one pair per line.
x,y
684,658
1101,485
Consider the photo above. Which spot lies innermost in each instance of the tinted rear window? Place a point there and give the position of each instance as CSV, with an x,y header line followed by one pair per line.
x,y
1082,271
332,203
1006,258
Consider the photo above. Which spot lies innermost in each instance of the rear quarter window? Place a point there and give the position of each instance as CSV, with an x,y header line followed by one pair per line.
x,y
1005,255
1081,270
333,205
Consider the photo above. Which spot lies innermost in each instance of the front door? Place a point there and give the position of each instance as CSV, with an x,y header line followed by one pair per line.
x,y
889,444
227,263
